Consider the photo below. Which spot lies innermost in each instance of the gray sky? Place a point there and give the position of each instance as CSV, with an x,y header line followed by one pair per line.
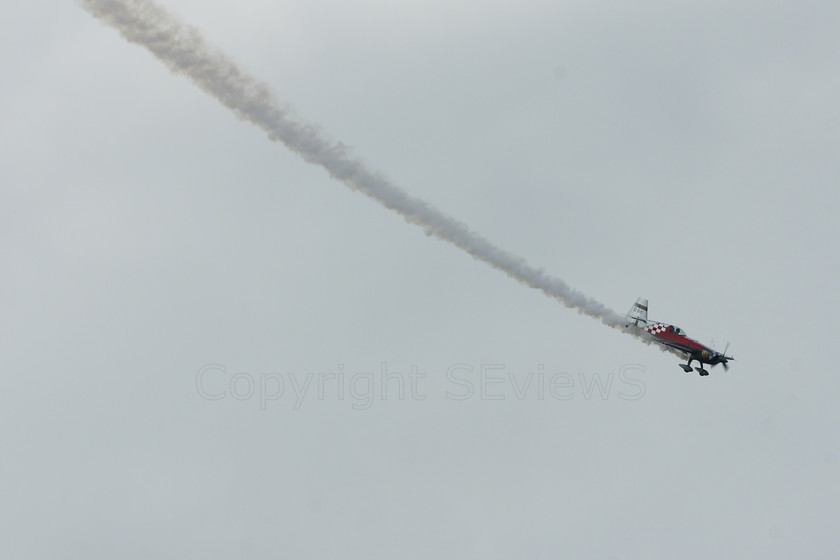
x,y
685,154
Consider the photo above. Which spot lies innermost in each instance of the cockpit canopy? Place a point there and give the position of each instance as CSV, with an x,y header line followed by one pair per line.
x,y
676,330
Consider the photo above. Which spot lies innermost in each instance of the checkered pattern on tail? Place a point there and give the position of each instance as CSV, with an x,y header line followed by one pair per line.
x,y
656,328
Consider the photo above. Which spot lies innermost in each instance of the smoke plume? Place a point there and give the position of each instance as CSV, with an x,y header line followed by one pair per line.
x,y
184,51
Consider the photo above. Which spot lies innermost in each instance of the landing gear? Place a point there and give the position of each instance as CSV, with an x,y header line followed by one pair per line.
x,y
700,370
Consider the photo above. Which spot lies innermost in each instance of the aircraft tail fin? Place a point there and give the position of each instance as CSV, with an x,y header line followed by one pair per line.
x,y
639,312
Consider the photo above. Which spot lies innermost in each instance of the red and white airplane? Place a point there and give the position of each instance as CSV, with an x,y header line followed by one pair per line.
x,y
675,337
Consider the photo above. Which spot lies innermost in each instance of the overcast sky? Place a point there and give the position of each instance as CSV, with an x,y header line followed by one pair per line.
x,y
197,323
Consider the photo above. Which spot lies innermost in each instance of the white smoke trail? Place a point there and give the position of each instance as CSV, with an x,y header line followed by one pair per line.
x,y
184,50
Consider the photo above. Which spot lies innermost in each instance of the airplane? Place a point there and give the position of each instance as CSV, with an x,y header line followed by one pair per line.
x,y
675,337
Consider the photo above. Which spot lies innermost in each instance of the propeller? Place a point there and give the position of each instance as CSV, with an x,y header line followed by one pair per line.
x,y
724,358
